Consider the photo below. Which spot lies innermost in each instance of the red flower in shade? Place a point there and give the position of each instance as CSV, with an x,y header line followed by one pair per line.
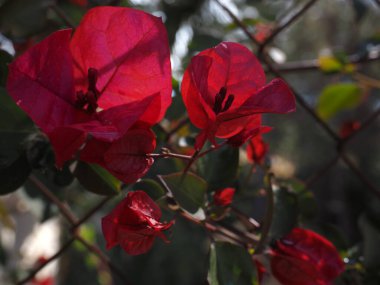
x,y
257,149
94,89
305,258
224,197
224,91
134,224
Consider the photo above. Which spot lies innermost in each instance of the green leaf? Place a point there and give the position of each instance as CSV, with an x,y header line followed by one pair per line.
x,y
329,64
213,269
220,167
151,187
338,97
5,58
233,264
189,191
96,179
14,174
285,213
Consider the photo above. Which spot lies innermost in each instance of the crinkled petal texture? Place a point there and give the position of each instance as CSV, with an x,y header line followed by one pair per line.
x,y
132,83
134,224
125,158
130,50
305,258
234,68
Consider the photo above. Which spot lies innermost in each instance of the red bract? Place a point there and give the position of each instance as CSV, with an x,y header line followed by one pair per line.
x,y
92,89
224,91
224,197
134,224
257,149
305,258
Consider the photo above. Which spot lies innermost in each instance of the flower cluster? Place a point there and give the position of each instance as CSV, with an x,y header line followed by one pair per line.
x,y
96,94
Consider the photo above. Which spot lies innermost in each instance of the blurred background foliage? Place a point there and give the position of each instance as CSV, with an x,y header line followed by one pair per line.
x,y
329,56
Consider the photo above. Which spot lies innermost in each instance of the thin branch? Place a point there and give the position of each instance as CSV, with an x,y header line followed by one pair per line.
x,y
62,207
249,222
179,126
286,24
60,13
190,163
95,250
169,154
91,212
266,224
313,64
50,259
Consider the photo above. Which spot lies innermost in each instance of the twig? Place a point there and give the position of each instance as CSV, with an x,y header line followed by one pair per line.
x,y
211,149
180,125
245,218
91,212
190,163
62,207
169,154
103,258
313,64
47,261
60,13
268,216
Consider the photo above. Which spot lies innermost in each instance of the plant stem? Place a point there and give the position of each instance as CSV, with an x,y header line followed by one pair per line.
x,y
268,216
170,154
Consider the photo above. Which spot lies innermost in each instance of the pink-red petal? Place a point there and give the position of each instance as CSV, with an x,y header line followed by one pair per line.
x,y
126,158
41,83
131,64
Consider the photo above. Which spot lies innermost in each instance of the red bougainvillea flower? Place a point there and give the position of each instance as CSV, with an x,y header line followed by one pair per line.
x,y
348,128
134,224
224,196
224,91
303,257
257,149
113,75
